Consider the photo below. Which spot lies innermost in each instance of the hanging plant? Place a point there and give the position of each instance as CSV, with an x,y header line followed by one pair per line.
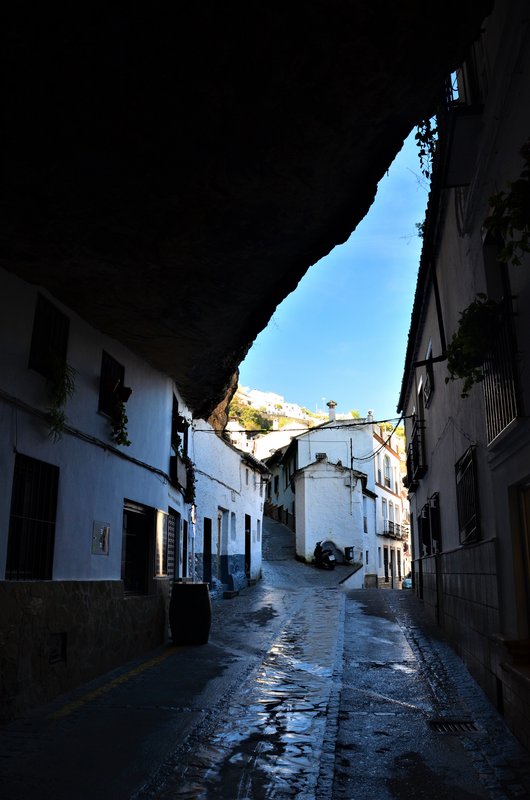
x,y
119,421
509,219
473,342
189,492
60,383
426,137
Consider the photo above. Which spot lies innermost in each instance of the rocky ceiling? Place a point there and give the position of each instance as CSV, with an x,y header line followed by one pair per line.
x,y
171,176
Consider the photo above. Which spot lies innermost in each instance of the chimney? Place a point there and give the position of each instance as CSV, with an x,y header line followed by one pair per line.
x,y
370,416
332,406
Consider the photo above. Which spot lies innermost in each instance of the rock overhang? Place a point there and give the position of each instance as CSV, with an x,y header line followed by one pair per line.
x,y
172,176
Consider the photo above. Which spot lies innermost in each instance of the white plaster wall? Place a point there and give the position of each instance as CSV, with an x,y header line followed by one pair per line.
x,y
93,481
222,484
329,509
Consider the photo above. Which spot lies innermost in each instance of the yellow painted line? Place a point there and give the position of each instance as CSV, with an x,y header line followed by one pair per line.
x,y
108,687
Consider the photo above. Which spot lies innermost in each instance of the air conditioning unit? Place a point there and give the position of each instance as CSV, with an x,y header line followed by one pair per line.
x,y
320,456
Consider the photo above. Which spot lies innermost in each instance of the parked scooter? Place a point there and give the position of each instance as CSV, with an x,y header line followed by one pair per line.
x,y
324,558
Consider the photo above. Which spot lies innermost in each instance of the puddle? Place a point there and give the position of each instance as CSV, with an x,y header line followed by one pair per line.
x,y
269,743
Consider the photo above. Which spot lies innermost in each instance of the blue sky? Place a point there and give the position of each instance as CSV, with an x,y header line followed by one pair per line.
x,y
342,334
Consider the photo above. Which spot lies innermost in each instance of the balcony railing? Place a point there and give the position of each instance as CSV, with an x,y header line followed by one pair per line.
x,y
394,529
500,381
416,466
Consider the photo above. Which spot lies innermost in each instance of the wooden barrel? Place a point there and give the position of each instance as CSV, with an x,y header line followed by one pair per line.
x,y
190,613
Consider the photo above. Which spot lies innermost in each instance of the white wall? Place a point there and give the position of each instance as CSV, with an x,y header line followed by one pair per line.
x,y
93,480
328,507
222,484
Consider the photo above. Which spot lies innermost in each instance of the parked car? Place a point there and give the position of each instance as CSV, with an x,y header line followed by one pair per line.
x,y
407,582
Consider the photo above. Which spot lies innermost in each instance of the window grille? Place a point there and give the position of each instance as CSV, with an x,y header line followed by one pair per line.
x,y
500,382
49,340
467,497
32,521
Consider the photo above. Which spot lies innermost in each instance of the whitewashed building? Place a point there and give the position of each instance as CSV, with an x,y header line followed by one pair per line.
x,y
230,492
102,502
341,481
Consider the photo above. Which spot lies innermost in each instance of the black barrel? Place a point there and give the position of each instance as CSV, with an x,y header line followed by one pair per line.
x,y
190,613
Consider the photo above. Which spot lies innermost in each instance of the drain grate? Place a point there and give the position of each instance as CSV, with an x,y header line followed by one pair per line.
x,y
452,726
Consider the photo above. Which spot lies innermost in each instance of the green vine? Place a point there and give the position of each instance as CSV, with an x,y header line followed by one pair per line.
x,y
119,421
510,216
426,137
61,386
473,341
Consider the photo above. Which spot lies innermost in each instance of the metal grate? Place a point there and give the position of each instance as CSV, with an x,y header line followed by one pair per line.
x,y
32,521
452,726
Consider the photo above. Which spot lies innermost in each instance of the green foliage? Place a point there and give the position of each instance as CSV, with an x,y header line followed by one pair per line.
x,y
426,137
250,418
355,414
510,216
61,386
119,421
472,342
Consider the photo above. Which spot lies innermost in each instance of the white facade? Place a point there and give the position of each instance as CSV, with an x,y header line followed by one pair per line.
x,y
379,532
96,476
230,492
89,523
329,503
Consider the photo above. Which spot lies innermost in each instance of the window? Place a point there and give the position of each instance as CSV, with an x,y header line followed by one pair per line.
x,y
385,510
49,340
378,469
467,497
387,472
110,385
366,556
275,484
32,521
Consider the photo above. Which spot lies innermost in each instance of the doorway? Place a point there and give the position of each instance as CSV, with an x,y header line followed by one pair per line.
x,y
248,545
138,536
207,551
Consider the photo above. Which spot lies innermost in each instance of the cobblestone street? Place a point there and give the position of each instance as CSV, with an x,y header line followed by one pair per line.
x,y
305,690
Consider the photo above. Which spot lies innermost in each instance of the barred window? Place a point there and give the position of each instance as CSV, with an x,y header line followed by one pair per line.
x,y
467,497
32,521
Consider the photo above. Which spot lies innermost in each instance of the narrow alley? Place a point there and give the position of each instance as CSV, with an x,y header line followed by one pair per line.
x,y
305,690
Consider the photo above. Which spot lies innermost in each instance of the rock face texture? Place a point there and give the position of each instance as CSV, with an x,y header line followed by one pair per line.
x,y
171,175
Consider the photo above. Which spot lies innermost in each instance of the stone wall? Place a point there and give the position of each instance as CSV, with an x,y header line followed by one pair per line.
x,y
56,635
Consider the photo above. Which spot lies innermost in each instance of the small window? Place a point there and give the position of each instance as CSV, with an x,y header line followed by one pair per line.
x,y
111,382
387,472
49,340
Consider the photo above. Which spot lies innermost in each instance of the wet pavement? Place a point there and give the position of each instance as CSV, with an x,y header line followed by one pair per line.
x,y
305,690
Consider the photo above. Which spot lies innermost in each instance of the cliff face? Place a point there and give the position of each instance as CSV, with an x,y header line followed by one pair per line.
x,y
172,176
